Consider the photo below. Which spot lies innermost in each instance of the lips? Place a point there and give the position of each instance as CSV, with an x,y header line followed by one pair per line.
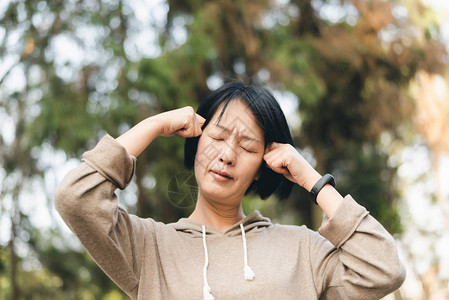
x,y
222,173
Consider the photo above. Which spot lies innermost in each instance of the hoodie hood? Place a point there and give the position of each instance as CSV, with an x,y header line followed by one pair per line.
x,y
252,223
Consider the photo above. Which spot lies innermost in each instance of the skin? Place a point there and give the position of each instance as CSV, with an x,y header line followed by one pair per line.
x,y
234,145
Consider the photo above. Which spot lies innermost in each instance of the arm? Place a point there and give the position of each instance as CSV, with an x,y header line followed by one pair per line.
x,y
87,202
357,258
354,257
285,160
183,121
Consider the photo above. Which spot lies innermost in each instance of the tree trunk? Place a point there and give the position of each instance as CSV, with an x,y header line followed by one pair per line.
x,y
13,255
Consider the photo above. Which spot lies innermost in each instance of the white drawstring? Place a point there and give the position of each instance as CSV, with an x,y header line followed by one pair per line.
x,y
206,288
248,272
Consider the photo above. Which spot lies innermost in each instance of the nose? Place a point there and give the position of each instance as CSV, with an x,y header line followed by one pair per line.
x,y
228,155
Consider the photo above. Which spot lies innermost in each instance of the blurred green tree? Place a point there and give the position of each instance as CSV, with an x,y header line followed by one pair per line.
x,y
95,66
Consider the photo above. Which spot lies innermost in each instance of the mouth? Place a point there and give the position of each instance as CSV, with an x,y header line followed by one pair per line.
x,y
221,175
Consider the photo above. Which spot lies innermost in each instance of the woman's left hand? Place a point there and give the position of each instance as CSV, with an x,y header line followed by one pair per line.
x,y
286,160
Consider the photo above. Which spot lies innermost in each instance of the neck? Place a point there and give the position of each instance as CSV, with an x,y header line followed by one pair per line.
x,y
215,214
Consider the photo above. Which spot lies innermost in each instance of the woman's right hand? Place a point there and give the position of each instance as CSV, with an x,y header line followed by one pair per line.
x,y
183,121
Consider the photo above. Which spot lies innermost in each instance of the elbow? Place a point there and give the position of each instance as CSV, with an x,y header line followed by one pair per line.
x,y
68,201
395,271
386,283
66,197
386,278
397,277
392,279
392,272
61,199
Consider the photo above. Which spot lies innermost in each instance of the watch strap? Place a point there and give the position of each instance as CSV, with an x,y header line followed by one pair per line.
x,y
326,179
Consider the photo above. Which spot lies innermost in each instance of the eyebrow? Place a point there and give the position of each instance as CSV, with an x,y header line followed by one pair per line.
x,y
243,136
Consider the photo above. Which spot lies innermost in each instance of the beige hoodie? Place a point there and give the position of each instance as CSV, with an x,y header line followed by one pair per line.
x,y
352,256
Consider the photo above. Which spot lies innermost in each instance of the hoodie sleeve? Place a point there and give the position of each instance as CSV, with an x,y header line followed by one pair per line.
x,y
87,203
360,262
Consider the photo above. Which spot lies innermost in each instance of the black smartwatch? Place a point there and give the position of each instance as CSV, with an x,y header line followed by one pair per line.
x,y
326,179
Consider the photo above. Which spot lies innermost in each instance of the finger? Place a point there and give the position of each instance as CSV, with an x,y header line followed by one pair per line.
x,y
187,128
200,119
282,170
277,159
279,169
183,133
272,146
273,154
192,127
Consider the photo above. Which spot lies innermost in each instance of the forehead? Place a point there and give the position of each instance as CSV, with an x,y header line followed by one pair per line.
x,y
238,117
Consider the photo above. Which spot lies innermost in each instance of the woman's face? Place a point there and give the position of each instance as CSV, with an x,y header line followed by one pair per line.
x,y
229,155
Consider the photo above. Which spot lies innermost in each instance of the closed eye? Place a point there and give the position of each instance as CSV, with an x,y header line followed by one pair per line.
x,y
219,139
216,138
247,150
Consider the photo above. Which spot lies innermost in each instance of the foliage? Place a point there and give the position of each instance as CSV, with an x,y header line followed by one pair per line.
x,y
89,67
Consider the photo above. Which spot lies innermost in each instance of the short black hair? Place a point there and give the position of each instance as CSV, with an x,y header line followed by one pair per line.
x,y
270,118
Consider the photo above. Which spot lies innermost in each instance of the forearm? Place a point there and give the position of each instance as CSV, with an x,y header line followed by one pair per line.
x,y
140,136
183,121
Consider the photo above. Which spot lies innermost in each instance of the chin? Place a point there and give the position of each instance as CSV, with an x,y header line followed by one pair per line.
x,y
218,195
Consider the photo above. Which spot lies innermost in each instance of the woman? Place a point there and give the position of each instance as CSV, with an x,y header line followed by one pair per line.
x,y
237,142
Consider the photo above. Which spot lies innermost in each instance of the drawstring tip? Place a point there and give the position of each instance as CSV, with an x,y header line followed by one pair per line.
x,y
206,294
248,273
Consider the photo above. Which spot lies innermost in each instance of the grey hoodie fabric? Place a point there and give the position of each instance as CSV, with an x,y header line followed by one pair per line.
x,y
351,257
